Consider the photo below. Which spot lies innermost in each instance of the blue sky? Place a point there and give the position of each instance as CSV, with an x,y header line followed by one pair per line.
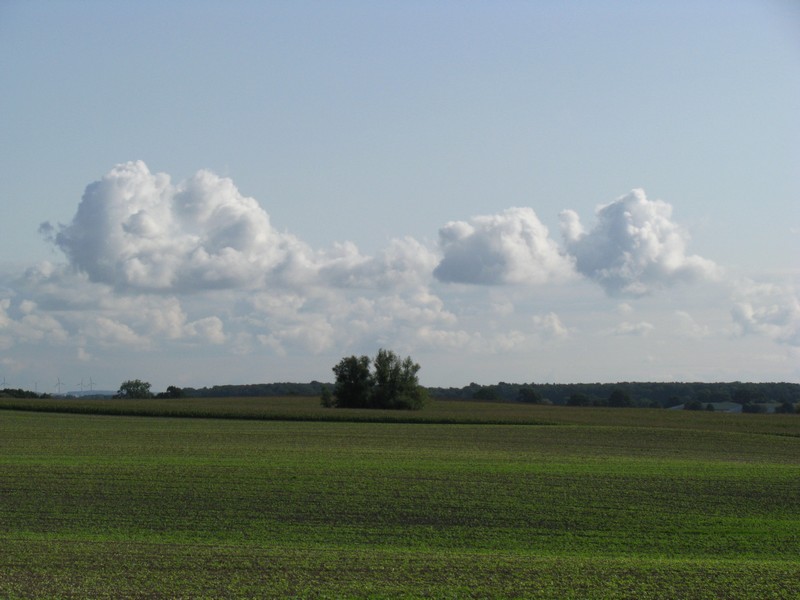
x,y
200,193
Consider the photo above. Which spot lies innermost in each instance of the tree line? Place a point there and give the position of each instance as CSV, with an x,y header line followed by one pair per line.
x,y
387,381
636,394
286,388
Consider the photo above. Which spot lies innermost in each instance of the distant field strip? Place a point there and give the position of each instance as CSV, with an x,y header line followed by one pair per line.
x,y
142,507
295,408
289,408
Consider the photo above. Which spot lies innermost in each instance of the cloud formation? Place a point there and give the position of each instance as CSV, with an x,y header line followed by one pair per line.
x,y
136,231
641,328
403,263
768,309
634,248
196,267
511,247
139,233
550,326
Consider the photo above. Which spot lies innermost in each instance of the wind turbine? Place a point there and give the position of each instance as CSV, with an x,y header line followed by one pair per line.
x,y
4,381
91,384
80,385
58,386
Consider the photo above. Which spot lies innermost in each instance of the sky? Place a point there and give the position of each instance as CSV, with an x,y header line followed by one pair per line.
x,y
207,193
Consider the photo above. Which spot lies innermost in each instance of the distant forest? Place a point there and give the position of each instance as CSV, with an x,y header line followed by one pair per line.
x,y
651,395
640,394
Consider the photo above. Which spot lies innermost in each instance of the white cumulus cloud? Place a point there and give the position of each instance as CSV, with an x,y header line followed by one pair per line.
x,y
634,248
550,326
136,231
404,262
768,309
207,329
511,247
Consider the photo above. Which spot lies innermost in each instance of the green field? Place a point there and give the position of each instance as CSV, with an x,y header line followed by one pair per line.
x,y
472,500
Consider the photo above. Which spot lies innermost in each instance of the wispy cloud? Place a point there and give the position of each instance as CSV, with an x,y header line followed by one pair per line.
x,y
550,326
689,327
641,328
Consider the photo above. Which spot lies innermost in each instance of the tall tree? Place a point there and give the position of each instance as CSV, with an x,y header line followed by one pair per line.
x,y
353,382
395,382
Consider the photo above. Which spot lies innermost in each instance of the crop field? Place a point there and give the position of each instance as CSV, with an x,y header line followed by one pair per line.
x,y
472,500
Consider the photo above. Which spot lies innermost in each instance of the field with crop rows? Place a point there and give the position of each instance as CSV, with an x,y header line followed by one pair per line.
x,y
482,500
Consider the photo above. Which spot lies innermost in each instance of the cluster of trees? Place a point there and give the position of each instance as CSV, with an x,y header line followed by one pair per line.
x,y
391,383
138,389
20,393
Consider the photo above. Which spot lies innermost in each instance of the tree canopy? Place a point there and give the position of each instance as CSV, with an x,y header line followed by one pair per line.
x,y
353,387
172,392
134,388
393,383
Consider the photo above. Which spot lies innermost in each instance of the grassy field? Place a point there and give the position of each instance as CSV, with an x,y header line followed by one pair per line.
x,y
474,500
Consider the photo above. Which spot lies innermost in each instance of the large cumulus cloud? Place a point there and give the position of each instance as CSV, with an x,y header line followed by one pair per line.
x,y
634,248
152,264
511,247
136,231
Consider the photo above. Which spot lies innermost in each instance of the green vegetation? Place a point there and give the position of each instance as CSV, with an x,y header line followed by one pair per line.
x,y
639,394
20,393
555,503
758,397
134,388
392,385
292,408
